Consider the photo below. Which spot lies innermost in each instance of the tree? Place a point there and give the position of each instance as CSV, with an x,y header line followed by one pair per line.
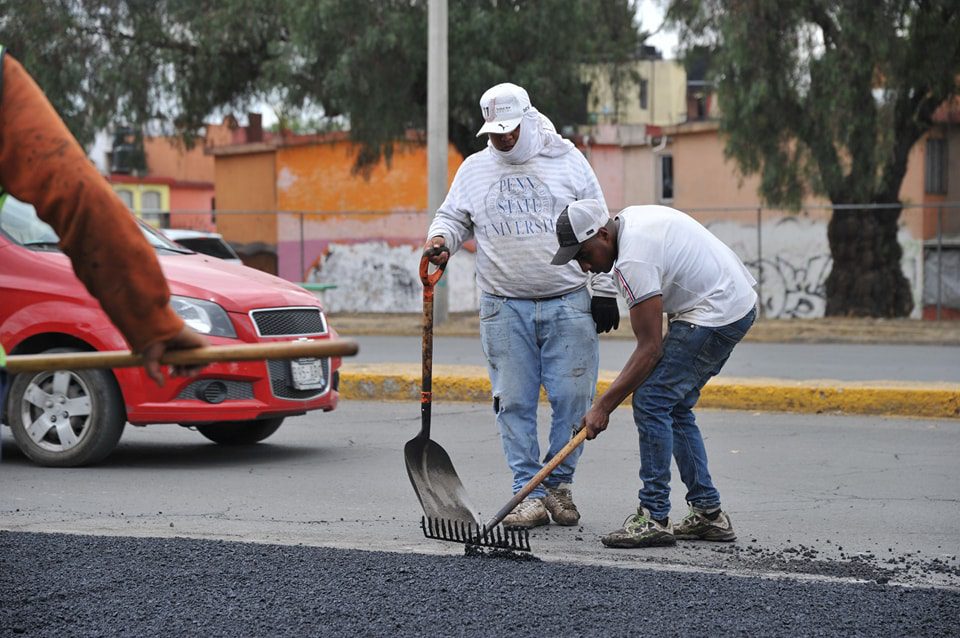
x,y
173,63
166,63
828,97
368,60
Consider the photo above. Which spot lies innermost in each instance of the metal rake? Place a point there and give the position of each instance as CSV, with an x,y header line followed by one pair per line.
x,y
470,533
492,534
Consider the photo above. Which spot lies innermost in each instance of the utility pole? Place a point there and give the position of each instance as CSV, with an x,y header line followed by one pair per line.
x,y
437,134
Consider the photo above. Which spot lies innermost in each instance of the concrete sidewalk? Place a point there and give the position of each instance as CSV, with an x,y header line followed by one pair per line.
x,y
823,330
401,381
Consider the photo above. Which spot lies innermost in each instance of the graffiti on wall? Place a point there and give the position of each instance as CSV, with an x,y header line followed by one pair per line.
x,y
789,291
377,277
796,262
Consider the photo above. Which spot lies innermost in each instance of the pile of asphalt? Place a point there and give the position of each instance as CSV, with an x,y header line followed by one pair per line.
x,y
824,558
65,585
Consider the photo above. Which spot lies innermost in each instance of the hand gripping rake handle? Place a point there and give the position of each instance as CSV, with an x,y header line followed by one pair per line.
x,y
573,444
429,280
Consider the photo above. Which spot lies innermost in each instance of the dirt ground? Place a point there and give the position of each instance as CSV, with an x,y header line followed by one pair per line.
x,y
824,330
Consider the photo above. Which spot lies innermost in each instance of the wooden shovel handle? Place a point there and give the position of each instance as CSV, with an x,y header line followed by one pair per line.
x,y
194,356
538,478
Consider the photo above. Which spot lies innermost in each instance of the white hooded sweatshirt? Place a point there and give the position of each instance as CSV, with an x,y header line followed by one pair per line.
x,y
510,201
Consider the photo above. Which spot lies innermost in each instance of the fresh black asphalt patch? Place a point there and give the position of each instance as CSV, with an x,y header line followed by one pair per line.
x,y
69,585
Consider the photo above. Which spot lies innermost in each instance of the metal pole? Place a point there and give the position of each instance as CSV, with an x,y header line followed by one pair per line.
x,y
760,259
437,134
303,271
939,259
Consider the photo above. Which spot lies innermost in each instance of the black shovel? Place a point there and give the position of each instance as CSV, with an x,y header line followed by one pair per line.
x,y
431,472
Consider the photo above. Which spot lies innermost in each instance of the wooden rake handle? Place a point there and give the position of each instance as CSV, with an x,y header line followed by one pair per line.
x,y
191,357
538,478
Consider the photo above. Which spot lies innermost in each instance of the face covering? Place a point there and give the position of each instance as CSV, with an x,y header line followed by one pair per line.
x,y
538,136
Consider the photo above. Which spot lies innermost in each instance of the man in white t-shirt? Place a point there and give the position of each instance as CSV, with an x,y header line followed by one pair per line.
x,y
538,323
664,261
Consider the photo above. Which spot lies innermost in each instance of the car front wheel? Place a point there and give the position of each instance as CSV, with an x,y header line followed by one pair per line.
x,y
65,418
240,432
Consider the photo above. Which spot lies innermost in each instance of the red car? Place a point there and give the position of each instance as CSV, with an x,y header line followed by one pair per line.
x,y
75,417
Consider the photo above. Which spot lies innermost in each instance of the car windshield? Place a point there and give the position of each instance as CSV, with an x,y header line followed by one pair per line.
x,y
19,222
213,246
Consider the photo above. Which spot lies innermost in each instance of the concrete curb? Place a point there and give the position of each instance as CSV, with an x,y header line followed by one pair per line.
x,y
401,382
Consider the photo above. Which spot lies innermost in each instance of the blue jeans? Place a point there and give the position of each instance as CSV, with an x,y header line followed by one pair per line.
x,y
528,344
663,412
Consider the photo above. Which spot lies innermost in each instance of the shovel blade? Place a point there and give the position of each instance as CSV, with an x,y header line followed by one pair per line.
x,y
436,483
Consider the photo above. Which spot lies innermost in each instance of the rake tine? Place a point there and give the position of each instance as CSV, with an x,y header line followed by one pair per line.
x,y
470,533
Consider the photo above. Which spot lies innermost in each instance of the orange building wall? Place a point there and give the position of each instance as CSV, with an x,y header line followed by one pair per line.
x,y
185,204
166,158
319,177
190,199
702,176
246,182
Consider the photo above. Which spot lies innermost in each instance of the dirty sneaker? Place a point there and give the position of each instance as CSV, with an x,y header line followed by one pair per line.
x,y
639,530
529,513
697,526
559,502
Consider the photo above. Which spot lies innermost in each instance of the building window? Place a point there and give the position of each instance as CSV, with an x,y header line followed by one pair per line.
x,y
666,178
150,202
643,93
935,175
126,197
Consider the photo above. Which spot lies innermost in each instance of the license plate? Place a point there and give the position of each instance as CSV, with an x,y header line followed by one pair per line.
x,y
307,374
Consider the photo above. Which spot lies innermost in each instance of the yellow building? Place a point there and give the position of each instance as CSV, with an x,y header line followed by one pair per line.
x,y
651,91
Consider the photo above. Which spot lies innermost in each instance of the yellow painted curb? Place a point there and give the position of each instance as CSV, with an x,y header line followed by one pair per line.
x,y
401,382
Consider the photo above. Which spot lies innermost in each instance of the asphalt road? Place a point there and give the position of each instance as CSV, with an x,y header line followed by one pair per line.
x,y
865,488
847,526
60,586
845,362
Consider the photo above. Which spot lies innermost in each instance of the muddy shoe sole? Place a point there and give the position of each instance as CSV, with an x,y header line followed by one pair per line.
x,y
626,542
714,535
526,524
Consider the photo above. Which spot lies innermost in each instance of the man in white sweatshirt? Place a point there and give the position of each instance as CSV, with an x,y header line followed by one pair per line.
x,y
538,323
664,261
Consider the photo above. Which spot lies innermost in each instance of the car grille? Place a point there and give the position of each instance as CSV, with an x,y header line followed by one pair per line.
x,y
288,322
282,385
223,390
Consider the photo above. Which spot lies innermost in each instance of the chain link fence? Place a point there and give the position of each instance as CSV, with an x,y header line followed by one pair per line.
x,y
369,260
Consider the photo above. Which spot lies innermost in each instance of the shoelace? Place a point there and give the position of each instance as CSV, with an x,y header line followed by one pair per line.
x,y
635,520
525,507
564,498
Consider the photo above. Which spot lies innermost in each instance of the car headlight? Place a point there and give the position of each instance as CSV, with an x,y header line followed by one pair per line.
x,y
205,317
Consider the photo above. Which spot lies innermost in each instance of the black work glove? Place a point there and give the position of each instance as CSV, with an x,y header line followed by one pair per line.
x,y
606,313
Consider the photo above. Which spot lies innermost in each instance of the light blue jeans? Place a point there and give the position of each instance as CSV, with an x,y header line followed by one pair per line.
x,y
663,412
532,343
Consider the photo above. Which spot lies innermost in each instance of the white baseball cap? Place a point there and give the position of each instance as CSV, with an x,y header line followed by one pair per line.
x,y
503,107
578,222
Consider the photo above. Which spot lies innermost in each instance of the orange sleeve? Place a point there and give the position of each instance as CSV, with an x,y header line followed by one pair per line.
x,y
41,163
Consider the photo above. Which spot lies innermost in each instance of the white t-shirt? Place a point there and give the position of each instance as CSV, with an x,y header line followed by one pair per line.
x,y
662,251
511,210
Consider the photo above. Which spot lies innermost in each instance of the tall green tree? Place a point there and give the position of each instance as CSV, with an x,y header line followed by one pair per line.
x,y
173,63
170,63
369,60
828,97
